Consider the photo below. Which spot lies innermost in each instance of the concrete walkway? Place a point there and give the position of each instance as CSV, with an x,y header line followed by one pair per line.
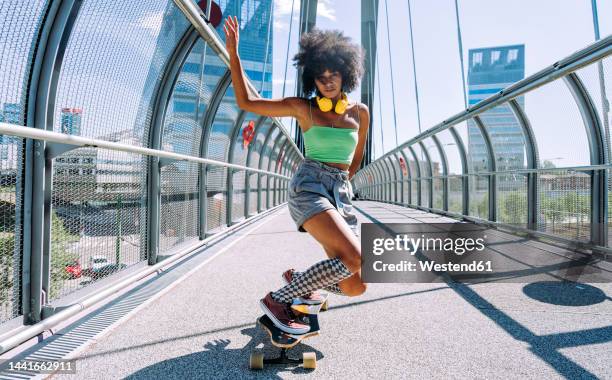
x,y
205,326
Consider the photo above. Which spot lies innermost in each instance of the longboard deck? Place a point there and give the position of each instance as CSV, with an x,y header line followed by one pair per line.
x,y
283,339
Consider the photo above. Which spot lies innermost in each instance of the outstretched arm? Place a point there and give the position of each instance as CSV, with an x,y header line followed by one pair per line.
x,y
364,117
291,106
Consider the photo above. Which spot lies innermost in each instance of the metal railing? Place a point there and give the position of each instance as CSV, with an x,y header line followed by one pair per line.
x,y
71,198
566,203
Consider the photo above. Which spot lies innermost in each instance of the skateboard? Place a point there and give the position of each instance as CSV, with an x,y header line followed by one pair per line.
x,y
308,314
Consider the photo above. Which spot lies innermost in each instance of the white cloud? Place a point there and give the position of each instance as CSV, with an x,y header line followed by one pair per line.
x,y
326,9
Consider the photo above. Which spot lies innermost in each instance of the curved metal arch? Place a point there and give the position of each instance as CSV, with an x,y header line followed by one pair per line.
x,y
394,179
465,196
401,178
247,177
160,105
492,168
54,33
230,171
387,179
278,140
261,157
442,154
430,180
597,147
409,177
389,166
211,112
417,164
533,160
379,180
279,164
376,185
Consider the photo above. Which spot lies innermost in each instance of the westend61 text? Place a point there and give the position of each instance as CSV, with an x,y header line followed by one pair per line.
x,y
459,246
430,266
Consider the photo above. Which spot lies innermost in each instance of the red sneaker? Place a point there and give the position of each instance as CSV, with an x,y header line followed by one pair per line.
x,y
313,298
281,316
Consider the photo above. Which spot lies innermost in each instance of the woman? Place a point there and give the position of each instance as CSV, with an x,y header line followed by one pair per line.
x,y
319,193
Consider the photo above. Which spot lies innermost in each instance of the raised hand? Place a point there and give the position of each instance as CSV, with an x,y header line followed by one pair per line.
x,y
231,29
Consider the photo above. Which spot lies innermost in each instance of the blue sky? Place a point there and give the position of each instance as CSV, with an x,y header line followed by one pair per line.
x,y
550,30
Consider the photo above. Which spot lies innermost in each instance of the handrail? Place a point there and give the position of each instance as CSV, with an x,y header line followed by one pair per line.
x,y
39,134
194,15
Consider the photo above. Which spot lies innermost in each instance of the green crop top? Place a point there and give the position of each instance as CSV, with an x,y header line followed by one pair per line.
x,y
329,144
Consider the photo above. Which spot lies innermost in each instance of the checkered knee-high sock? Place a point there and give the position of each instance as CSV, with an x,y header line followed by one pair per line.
x,y
333,288
320,275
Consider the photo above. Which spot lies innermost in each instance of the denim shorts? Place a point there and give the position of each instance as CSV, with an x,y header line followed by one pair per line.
x,y
316,187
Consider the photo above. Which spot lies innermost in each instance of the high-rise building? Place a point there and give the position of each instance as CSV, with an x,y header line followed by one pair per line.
x,y
71,121
491,70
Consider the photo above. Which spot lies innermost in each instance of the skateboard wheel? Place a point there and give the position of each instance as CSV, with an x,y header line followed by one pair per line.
x,y
325,306
256,361
309,360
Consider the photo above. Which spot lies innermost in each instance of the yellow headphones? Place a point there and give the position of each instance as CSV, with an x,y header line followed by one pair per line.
x,y
325,104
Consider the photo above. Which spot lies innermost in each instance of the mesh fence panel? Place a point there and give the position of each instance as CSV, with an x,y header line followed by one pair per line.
x,y
512,199
506,137
425,183
20,24
11,201
98,216
438,193
216,189
256,148
455,194
113,62
180,211
564,199
238,179
414,189
479,196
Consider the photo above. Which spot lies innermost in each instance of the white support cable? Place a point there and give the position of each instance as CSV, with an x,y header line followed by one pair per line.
x,y
416,86
287,60
40,134
391,67
288,45
263,74
460,43
382,134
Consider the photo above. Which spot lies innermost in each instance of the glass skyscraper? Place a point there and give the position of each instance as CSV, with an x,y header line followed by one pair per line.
x,y
491,70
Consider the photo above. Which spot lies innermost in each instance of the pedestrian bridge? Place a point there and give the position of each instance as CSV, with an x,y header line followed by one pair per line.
x,y
143,214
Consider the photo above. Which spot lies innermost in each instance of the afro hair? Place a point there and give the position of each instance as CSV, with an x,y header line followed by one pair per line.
x,y
322,50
